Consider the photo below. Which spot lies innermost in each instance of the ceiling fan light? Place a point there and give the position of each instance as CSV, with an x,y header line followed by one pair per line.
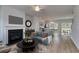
x,y
37,8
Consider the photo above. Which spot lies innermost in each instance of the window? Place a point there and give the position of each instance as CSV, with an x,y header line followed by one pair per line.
x,y
66,28
53,25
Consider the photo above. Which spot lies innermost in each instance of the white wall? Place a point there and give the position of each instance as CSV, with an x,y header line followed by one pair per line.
x,y
75,26
5,25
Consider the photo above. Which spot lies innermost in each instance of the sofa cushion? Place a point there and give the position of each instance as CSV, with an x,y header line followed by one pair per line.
x,y
43,37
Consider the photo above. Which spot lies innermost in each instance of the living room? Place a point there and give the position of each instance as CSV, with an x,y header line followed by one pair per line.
x,y
47,25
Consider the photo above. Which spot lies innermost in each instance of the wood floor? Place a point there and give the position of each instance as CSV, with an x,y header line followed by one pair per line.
x,y
65,45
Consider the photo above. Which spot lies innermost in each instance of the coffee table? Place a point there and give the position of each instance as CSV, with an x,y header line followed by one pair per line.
x,y
27,47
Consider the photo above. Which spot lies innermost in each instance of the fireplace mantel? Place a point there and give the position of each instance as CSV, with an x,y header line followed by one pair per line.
x,y
6,28
5,25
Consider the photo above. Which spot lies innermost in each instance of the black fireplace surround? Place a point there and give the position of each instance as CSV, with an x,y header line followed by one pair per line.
x,y
14,36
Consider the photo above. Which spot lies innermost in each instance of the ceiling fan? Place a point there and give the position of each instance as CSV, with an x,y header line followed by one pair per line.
x,y
38,7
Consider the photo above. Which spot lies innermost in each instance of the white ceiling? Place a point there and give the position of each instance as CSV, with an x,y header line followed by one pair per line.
x,y
47,10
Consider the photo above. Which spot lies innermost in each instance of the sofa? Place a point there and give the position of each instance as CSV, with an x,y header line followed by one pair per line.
x,y
43,37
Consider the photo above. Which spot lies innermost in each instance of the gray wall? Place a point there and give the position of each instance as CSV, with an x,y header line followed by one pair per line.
x,y
36,20
29,17
75,26
0,26
63,21
0,23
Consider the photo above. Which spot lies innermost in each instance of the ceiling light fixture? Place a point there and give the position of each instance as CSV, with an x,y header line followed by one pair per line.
x,y
37,8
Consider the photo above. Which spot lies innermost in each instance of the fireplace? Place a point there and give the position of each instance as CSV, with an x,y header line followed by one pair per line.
x,y
14,36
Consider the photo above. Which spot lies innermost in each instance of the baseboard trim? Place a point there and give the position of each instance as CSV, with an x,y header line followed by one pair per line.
x,y
74,43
